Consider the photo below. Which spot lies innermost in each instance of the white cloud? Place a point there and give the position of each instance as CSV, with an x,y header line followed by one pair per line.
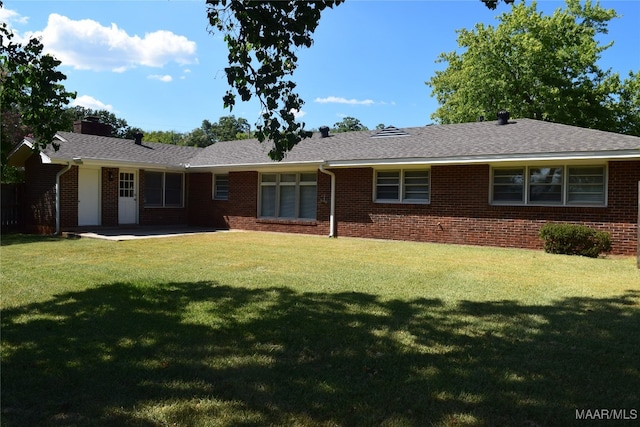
x,y
87,101
166,78
340,100
88,45
11,17
298,114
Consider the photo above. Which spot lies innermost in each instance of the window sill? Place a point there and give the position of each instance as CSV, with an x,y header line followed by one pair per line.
x,y
402,202
547,205
306,222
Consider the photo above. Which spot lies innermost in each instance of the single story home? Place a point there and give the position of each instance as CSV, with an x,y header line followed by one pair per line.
x,y
482,183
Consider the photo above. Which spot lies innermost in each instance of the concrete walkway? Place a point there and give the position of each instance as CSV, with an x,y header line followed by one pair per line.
x,y
148,232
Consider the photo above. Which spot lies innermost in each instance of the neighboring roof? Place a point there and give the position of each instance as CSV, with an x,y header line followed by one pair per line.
x,y
521,139
465,142
106,150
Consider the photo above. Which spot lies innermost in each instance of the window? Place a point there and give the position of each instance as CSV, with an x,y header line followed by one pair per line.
x,y
403,186
288,195
549,185
221,187
163,189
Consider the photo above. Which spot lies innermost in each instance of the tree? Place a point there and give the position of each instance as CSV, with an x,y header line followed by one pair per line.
x,y
349,124
164,137
262,38
628,105
227,128
32,99
535,66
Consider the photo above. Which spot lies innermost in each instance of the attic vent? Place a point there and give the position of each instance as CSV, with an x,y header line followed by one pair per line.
x,y
389,131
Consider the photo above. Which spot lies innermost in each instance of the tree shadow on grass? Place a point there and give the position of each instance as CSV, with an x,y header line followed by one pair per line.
x,y
205,354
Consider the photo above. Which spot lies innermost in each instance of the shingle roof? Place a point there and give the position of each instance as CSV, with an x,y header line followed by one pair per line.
x,y
480,140
91,147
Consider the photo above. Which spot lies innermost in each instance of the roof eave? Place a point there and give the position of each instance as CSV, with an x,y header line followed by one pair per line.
x,y
21,152
458,160
284,165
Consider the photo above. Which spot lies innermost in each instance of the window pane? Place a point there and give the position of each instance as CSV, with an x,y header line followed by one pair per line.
x,y
268,201
269,177
288,177
308,177
545,185
173,189
221,190
388,186
308,201
416,185
586,185
153,188
287,206
508,185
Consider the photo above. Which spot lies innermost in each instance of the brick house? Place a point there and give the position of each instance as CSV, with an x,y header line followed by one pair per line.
x,y
483,183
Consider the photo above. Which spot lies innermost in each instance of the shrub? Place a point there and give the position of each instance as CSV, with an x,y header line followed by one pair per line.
x,y
572,239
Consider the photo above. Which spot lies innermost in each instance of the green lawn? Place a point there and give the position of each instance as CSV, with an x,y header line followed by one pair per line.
x,y
253,329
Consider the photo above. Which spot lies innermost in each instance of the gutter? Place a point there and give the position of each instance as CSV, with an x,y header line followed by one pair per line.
x,y
332,214
58,175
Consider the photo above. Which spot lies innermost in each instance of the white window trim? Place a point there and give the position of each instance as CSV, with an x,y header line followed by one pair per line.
x,y
164,191
565,185
277,184
401,190
213,188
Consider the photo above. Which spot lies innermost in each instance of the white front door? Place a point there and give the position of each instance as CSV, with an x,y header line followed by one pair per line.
x,y
88,196
127,198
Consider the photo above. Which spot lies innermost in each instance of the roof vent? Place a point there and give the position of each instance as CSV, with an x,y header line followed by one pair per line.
x,y
389,131
503,117
324,131
138,138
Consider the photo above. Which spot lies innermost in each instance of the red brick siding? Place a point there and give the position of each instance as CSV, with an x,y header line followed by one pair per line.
x,y
203,210
459,211
110,195
69,198
242,207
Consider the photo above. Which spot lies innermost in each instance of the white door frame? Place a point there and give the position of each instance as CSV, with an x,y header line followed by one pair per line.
x,y
128,193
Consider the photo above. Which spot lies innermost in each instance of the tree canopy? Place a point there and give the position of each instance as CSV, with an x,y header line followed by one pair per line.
x,y
537,66
262,38
32,99
349,124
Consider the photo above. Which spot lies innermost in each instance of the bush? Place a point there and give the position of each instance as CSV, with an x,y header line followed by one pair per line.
x,y
572,239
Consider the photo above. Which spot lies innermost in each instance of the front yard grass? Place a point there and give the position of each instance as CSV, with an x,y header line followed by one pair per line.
x,y
256,329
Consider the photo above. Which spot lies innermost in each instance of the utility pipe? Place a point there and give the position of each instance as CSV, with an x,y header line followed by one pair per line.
x,y
332,212
58,175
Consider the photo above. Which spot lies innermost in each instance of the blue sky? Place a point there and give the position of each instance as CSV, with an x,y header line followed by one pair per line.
x,y
154,63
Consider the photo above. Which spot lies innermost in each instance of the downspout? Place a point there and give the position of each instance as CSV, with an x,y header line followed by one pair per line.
x,y
332,212
58,175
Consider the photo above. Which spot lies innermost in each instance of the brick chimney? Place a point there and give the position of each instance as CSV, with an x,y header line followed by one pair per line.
x,y
91,125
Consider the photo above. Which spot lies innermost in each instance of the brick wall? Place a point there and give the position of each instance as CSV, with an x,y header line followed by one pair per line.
x,y
203,210
40,196
110,195
459,211
69,198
